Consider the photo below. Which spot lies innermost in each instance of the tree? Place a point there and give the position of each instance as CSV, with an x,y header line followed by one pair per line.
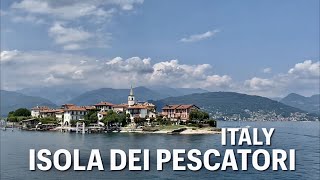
x,y
91,117
212,123
20,112
198,115
73,122
139,120
48,120
113,117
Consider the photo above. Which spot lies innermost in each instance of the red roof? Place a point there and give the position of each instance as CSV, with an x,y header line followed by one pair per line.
x,y
75,108
40,108
179,106
120,106
104,104
89,107
174,106
185,106
138,107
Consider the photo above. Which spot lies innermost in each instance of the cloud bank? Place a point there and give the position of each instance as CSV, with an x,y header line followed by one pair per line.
x,y
45,68
70,22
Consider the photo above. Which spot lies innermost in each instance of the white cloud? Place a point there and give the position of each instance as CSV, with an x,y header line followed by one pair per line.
x,y
303,78
131,65
8,55
62,10
70,10
27,19
199,37
267,70
258,84
64,35
38,68
75,14
306,69
218,81
75,38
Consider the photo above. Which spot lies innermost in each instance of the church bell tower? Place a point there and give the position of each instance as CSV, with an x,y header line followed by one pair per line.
x,y
131,99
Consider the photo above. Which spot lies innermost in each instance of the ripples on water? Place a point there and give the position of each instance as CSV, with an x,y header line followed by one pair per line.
x,y
302,136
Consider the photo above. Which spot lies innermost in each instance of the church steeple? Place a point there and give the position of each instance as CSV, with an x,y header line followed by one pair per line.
x,y
131,91
131,99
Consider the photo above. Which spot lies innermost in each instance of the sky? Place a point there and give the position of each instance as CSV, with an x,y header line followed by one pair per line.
x,y
268,48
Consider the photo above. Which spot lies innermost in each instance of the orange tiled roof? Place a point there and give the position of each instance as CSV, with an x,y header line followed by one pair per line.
x,y
104,104
120,105
75,108
185,106
173,106
47,111
178,106
89,107
40,108
50,110
138,107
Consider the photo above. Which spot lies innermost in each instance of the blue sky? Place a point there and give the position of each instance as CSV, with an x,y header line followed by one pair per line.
x,y
245,46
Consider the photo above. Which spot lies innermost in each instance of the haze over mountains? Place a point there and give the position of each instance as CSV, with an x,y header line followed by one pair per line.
x,y
12,100
57,94
226,102
83,96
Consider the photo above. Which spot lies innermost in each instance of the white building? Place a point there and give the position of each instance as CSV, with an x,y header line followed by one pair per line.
x,y
104,106
73,113
35,111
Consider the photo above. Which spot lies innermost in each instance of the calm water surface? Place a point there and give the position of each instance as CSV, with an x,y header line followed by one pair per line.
x,y
302,136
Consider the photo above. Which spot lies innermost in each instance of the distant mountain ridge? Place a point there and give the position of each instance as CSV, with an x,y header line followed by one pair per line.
x,y
310,104
12,100
57,94
231,105
173,92
141,93
115,96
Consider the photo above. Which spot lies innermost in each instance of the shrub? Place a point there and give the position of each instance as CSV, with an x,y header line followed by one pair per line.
x,y
212,123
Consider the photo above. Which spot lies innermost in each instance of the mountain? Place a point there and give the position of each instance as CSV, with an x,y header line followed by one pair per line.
x,y
56,94
172,92
12,100
115,96
310,104
230,105
141,93
275,98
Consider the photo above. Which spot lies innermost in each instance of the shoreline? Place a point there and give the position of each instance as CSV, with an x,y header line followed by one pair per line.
x,y
173,131
187,131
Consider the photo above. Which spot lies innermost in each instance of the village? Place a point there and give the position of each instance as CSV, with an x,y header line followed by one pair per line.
x,y
133,116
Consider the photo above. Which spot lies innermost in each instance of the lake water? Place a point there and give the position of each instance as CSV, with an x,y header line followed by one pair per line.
x,y
302,136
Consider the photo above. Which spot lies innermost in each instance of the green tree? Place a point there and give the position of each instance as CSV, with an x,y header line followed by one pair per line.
x,y
198,115
114,118
20,112
48,120
212,123
73,122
